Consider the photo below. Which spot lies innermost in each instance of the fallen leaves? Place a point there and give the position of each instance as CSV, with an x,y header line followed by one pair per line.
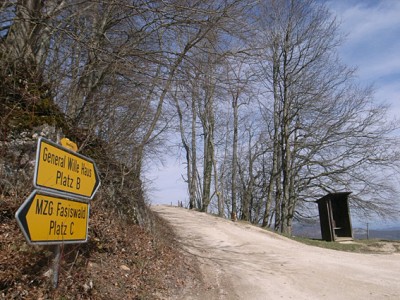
x,y
125,268
120,261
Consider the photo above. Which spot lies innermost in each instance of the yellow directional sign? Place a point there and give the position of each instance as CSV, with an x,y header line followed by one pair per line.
x,y
69,144
59,169
48,219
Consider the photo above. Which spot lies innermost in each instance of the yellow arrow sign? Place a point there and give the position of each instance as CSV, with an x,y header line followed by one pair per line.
x,y
62,170
47,219
69,144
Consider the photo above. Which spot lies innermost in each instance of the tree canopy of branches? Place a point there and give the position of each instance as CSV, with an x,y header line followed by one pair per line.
x,y
267,115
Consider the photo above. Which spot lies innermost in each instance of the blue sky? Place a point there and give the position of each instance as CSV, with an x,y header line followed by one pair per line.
x,y
372,44
166,185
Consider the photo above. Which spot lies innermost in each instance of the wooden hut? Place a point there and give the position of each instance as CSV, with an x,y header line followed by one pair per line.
x,y
334,216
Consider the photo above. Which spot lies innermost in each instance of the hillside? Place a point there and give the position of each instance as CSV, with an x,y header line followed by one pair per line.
x,y
130,253
120,261
123,261
314,231
252,98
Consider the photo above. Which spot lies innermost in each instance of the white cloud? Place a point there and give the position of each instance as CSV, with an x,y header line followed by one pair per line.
x,y
373,44
372,31
367,21
166,184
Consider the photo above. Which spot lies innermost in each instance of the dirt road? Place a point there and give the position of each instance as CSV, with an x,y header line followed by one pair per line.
x,y
239,261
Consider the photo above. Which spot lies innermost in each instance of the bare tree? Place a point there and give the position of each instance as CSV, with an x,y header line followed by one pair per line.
x,y
112,67
311,92
205,63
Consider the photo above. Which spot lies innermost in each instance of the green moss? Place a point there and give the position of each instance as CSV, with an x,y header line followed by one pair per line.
x,y
25,98
27,107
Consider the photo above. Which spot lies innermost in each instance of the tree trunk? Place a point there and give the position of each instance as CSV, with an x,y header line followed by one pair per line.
x,y
274,182
193,180
220,198
234,157
208,165
208,126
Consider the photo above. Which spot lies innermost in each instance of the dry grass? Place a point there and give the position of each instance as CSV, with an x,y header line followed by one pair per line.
x,y
359,246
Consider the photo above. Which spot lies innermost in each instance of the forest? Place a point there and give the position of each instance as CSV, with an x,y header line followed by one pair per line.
x,y
253,93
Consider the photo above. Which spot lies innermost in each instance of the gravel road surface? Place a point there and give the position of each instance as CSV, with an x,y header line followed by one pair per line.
x,y
239,261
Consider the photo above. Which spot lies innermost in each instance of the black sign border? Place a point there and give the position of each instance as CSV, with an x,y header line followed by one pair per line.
x,y
20,216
